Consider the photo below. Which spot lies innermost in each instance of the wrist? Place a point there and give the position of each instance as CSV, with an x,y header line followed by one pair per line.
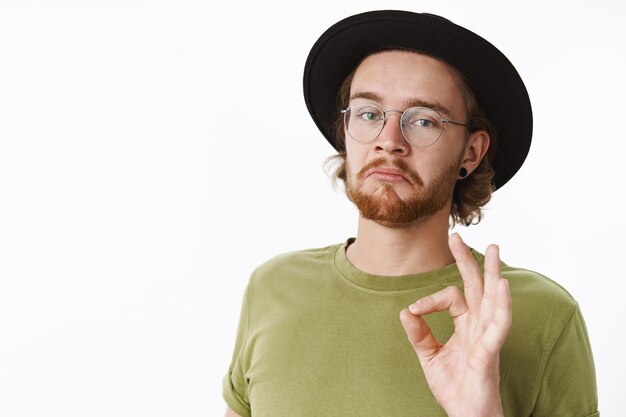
x,y
496,411
489,406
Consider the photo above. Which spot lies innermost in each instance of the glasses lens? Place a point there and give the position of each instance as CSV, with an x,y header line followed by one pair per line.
x,y
364,122
421,126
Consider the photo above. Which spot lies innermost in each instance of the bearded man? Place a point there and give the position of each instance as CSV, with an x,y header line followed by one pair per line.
x,y
420,102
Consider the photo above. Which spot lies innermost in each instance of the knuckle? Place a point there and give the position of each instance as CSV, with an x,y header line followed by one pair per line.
x,y
454,291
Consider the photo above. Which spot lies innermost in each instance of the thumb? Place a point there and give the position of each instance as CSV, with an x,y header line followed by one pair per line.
x,y
421,338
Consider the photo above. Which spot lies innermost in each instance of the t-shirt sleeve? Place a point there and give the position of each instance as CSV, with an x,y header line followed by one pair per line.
x,y
235,383
568,386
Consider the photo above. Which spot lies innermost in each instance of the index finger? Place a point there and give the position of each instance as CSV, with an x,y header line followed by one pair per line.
x,y
470,272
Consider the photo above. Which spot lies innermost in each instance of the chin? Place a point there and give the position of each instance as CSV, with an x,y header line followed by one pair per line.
x,y
387,207
386,190
395,217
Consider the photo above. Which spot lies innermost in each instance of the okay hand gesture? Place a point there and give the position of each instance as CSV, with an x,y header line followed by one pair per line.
x,y
463,373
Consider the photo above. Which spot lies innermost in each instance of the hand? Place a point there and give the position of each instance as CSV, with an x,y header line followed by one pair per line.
x,y
463,374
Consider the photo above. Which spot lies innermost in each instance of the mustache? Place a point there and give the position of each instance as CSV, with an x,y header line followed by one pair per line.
x,y
395,163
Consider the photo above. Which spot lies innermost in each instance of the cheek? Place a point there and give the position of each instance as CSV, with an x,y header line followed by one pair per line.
x,y
428,165
443,166
355,159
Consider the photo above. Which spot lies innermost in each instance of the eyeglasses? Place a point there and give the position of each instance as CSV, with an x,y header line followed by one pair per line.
x,y
420,126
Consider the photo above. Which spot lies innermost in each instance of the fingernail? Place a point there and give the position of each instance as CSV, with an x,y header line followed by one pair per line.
x,y
413,308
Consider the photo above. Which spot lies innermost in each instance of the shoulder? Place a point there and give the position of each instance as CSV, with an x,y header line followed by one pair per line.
x,y
533,289
538,299
294,266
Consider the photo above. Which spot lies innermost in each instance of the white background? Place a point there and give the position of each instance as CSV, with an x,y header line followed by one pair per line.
x,y
136,197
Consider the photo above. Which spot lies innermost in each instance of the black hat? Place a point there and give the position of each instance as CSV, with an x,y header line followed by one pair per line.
x,y
498,87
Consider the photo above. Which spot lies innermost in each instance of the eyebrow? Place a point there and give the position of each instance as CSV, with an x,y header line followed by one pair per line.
x,y
368,95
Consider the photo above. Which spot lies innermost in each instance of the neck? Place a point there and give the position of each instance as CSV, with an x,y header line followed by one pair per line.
x,y
415,248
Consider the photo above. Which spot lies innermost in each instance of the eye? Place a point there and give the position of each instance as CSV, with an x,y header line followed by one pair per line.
x,y
422,123
368,115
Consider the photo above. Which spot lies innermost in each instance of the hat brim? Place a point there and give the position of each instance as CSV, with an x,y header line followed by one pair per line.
x,y
498,87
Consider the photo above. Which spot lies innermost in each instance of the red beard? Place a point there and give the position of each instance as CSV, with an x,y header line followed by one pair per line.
x,y
387,208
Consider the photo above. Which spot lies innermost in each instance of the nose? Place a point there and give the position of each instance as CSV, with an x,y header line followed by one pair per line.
x,y
391,140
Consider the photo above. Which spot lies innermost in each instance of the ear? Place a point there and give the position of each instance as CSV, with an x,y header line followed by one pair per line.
x,y
475,149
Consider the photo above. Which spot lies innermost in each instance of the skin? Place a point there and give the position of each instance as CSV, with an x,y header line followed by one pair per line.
x,y
463,373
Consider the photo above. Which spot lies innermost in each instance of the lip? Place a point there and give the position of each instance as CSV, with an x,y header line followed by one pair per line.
x,y
388,174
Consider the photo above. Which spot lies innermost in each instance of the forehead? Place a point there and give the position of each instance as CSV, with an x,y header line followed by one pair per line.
x,y
399,78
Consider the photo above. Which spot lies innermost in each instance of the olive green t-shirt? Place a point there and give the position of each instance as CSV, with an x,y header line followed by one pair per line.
x,y
319,338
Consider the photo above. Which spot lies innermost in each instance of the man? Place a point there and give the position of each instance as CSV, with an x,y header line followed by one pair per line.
x,y
421,101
